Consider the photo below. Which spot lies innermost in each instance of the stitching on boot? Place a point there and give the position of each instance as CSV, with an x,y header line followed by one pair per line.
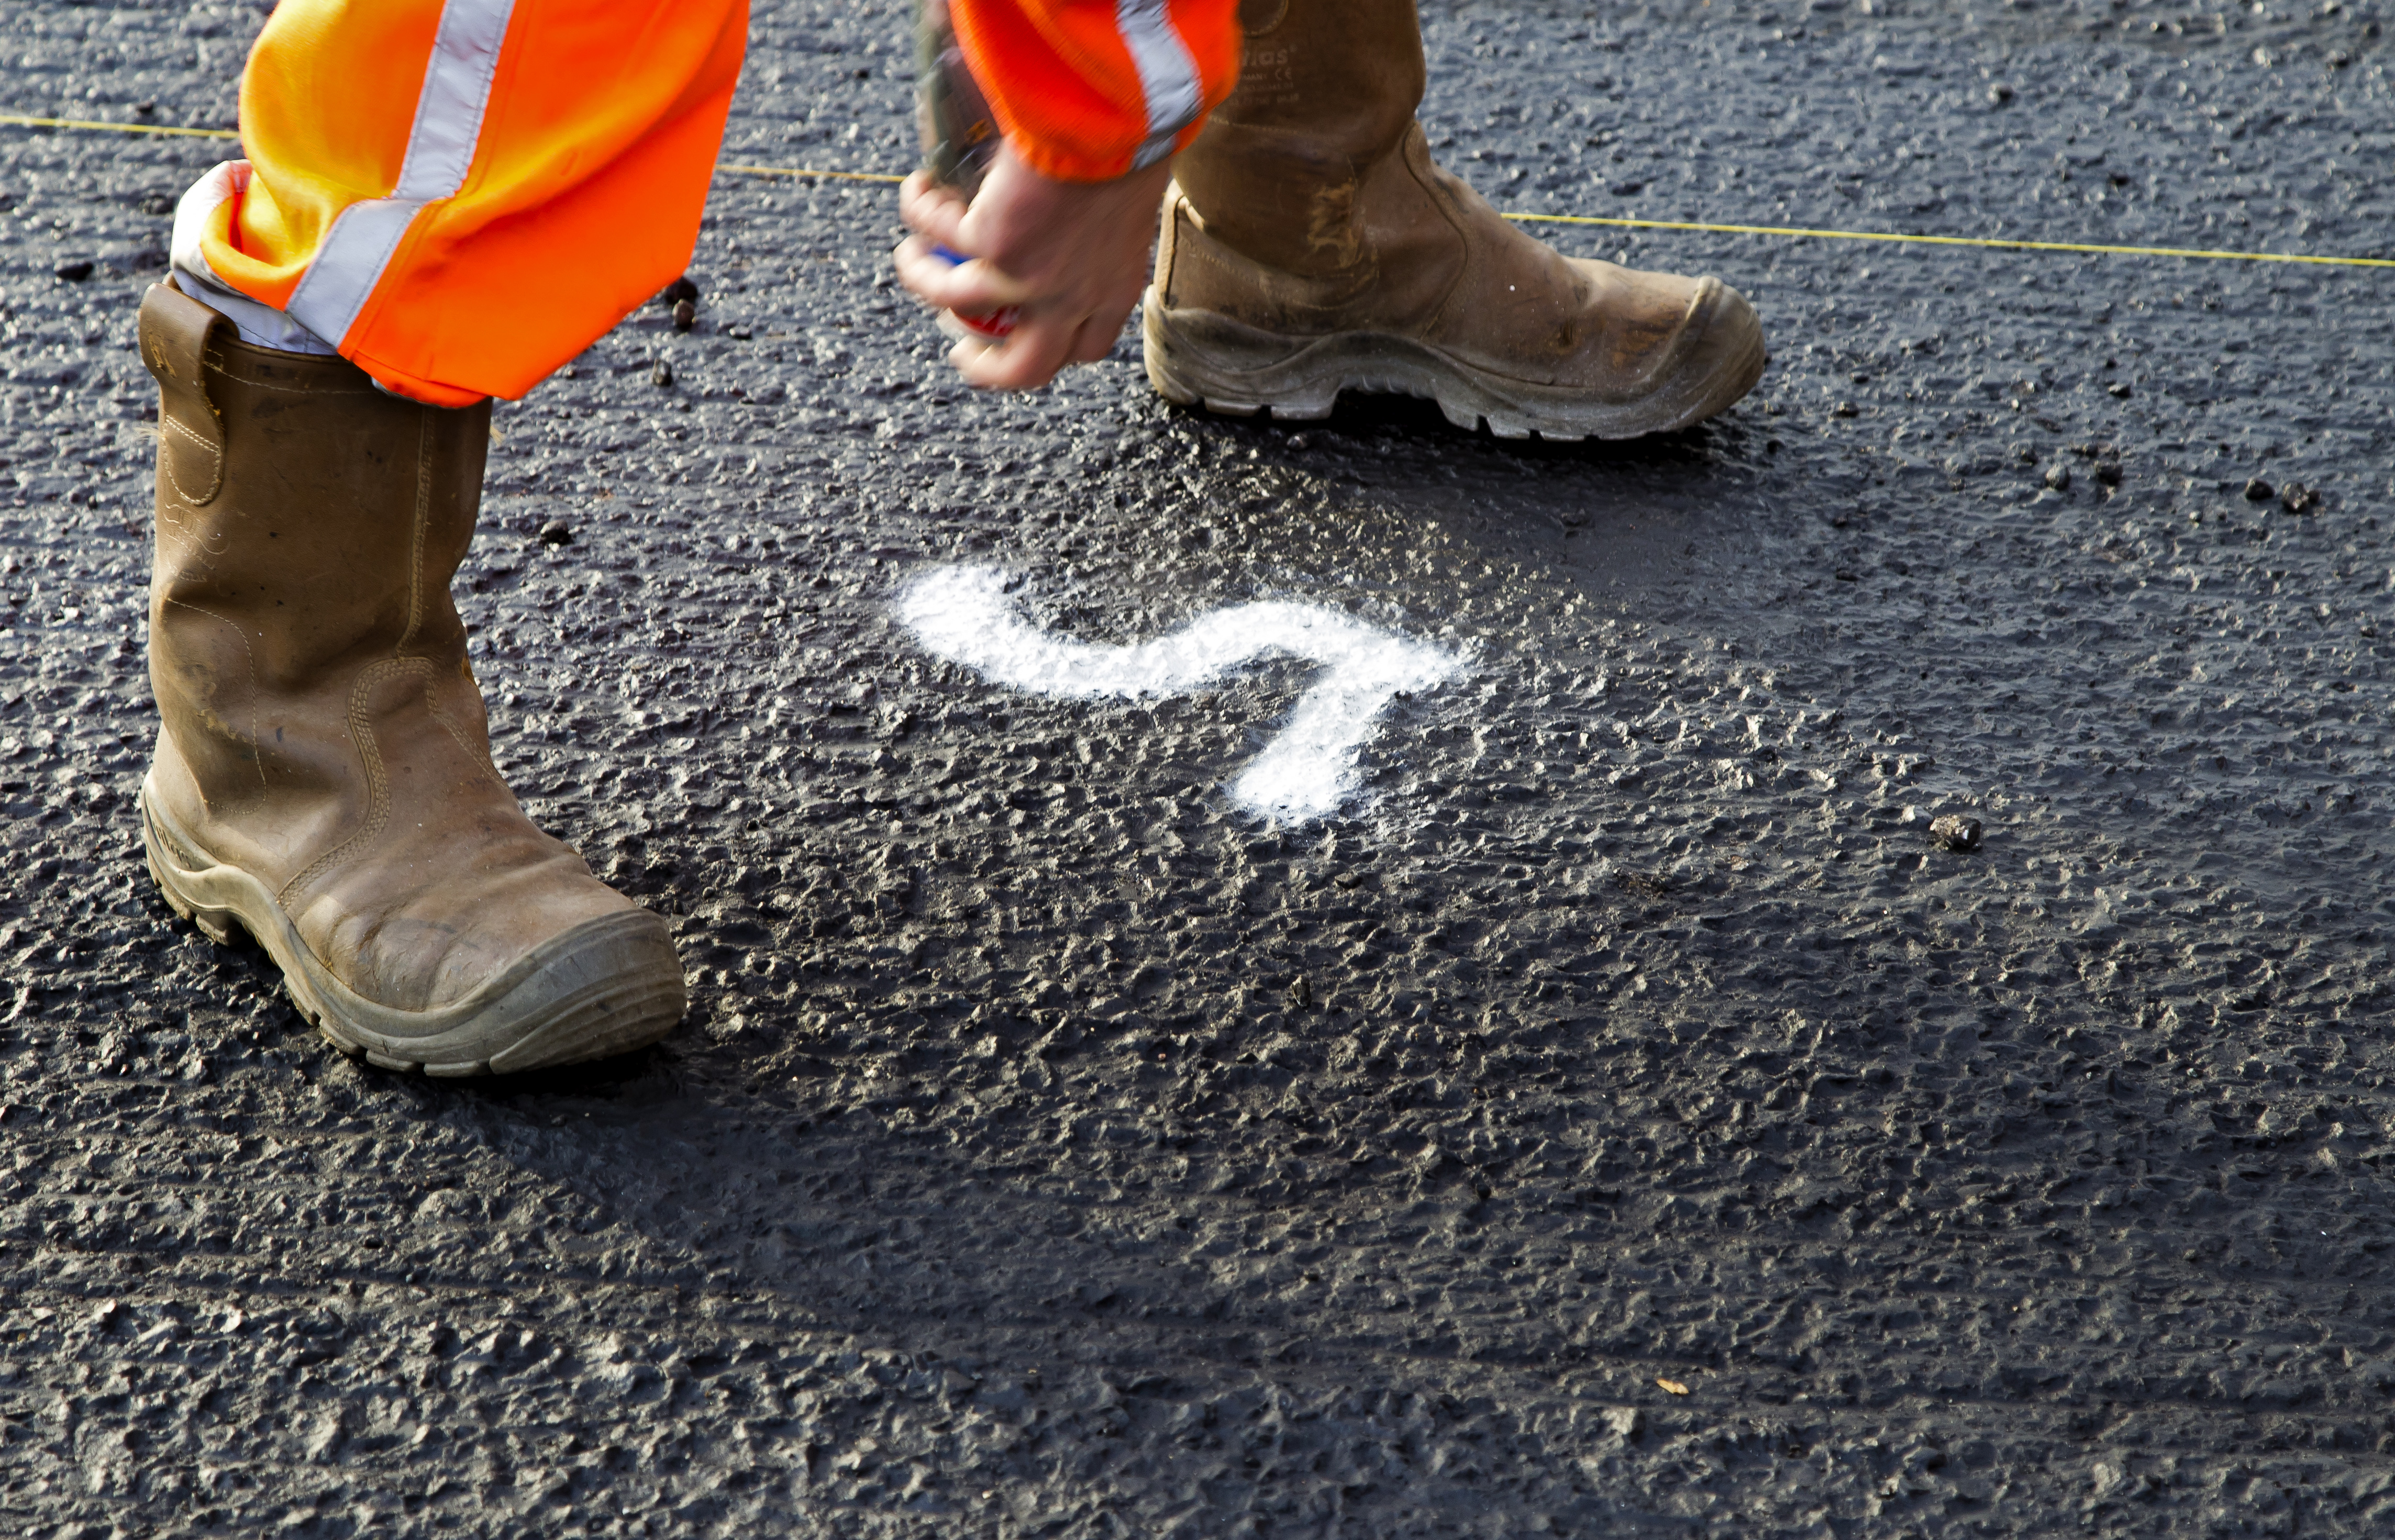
x,y
193,547
1426,174
378,779
481,756
296,390
216,464
249,659
466,672
361,725
416,531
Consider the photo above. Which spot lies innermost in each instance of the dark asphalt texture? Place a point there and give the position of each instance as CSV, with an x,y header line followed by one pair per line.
x,y
1053,1151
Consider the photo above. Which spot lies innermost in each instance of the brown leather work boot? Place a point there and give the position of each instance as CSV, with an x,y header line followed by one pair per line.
x,y
324,777
1310,246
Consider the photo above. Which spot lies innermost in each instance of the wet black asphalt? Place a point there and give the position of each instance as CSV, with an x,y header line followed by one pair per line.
x,y
1628,1120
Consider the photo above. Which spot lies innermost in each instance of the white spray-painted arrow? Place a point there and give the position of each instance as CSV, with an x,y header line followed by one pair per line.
x,y
962,614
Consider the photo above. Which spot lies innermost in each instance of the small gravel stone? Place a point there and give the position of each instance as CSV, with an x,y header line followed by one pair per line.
x,y
686,315
2117,391
662,375
557,531
1843,409
2298,497
2259,491
1954,832
74,271
2058,478
1624,1422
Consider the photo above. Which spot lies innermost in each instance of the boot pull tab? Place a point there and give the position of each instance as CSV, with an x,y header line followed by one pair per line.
x,y
176,333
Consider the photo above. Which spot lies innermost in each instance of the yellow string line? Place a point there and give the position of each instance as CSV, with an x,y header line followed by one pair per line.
x,y
1985,242
118,127
803,171
1990,242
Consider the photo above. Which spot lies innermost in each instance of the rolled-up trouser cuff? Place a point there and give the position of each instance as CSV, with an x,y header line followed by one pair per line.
x,y
261,325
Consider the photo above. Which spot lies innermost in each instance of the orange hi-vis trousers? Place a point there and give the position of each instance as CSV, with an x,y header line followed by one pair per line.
x,y
462,195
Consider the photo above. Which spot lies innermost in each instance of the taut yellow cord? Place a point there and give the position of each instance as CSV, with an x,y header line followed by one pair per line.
x,y
23,121
1990,243
1984,243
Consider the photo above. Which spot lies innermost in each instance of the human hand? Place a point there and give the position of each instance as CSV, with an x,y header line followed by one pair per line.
x,y
1070,257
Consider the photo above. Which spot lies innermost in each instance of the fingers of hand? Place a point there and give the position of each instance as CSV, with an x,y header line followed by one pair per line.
x,y
944,286
1096,338
929,209
1025,361
1038,350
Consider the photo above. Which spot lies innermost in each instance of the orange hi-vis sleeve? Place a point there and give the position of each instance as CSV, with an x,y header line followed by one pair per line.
x,y
1088,90
461,196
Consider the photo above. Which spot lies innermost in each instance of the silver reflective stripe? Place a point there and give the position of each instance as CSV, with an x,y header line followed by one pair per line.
x,y
440,151
1168,75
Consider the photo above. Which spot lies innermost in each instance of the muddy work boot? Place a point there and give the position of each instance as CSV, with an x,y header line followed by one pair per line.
x,y
324,778
1310,246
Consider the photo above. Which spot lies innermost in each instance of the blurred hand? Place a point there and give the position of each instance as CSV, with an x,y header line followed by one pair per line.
x,y
1072,258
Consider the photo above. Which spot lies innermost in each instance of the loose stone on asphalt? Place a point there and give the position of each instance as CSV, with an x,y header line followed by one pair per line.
x,y
1055,1149
1954,832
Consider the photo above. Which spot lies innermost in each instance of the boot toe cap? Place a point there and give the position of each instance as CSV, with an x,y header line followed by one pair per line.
x,y
1724,355
608,986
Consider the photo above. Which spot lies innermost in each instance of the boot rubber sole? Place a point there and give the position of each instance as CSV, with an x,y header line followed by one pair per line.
x,y
605,987
1200,358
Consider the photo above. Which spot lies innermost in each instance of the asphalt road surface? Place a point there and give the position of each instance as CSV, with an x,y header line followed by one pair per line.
x,y
1621,1119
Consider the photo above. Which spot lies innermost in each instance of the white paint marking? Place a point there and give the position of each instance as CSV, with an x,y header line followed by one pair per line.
x,y
1309,768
